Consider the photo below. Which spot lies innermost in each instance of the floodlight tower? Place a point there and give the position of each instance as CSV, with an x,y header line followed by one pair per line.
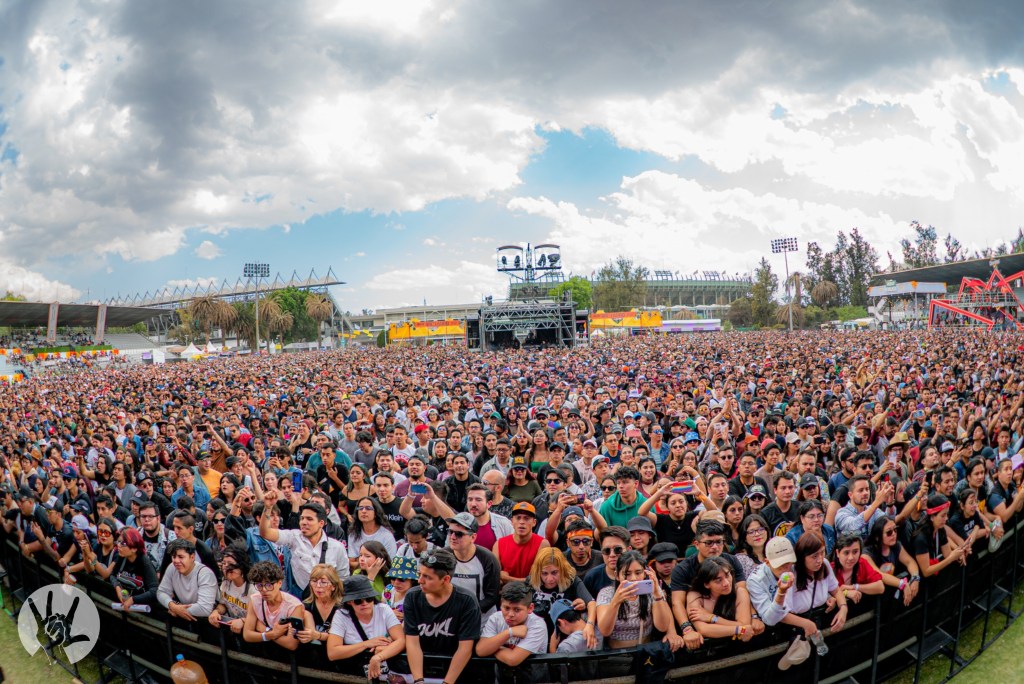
x,y
785,246
254,271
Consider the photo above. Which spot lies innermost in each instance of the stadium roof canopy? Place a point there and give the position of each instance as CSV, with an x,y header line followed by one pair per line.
x,y
953,273
32,314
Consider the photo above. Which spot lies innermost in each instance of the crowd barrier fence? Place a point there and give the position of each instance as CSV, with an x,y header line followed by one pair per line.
x,y
881,637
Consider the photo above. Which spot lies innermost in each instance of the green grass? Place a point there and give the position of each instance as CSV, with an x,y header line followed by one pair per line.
x,y
19,667
998,664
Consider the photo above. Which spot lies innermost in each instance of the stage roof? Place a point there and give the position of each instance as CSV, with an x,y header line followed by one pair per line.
x,y
952,274
32,314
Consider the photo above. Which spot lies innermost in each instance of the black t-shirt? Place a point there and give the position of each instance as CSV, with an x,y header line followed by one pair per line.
x,y
679,532
686,570
581,570
542,598
597,579
63,539
779,523
739,490
931,543
392,515
963,525
441,629
328,485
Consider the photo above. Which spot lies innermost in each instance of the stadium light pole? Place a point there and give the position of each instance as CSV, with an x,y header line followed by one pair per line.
x,y
785,246
254,271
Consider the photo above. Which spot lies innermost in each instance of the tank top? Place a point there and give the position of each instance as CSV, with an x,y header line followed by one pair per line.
x,y
517,559
485,536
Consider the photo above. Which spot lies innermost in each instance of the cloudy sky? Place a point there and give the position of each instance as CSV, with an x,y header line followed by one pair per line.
x,y
399,142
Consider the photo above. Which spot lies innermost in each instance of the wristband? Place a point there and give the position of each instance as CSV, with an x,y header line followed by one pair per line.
x,y
264,635
915,578
856,587
685,626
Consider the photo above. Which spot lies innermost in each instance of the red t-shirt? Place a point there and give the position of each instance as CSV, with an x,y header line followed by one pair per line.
x,y
863,573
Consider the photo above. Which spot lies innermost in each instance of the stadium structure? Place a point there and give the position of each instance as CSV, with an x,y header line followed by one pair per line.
x,y
167,301
976,293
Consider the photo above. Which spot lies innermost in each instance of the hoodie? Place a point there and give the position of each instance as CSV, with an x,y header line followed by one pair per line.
x,y
617,513
198,588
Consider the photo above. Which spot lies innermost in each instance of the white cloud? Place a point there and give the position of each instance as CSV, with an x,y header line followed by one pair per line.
x,y
33,286
458,283
208,250
191,283
359,254
432,242
667,222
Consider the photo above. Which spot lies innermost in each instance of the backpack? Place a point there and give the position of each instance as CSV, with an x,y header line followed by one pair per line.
x,y
262,550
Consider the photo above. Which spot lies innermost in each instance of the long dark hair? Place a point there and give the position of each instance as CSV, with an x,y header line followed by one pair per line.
x,y
725,605
644,600
378,516
741,545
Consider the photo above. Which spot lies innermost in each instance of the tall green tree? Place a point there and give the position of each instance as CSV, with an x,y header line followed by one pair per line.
x,y
762,294
582,291
923,249
292,301
861,263
621,285
740,313
954,250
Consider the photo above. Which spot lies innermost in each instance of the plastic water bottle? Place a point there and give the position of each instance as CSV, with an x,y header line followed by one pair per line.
x,y
819,643
187,672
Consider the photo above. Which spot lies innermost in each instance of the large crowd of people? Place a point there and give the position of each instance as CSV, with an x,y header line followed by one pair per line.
x,y
367,507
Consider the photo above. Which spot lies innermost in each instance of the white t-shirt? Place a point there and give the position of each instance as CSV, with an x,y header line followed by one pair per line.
x,y
383,620
535,641
815,594
382,535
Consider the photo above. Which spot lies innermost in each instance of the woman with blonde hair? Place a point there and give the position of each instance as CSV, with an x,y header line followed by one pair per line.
x,y
325,593
553,578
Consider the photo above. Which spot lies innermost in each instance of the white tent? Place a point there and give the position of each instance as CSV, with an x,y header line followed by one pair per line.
x,y
210,349
190,352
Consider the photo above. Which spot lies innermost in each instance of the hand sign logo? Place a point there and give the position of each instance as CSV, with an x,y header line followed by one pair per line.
x,y
70,622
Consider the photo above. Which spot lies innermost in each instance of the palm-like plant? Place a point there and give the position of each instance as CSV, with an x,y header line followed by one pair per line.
x,y
319,308
824,293
244,323
205,311
782,314
796,284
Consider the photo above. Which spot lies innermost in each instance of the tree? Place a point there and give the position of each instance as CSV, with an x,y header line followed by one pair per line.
x,y
244,323
795,284
954,250
204,311
319,308
782,315
582,291
861,263
922,251
740,313
621,285
292,301
824,294
766,284
1017,245
11,297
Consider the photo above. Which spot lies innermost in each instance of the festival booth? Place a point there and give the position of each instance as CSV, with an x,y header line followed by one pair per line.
x,y
625,322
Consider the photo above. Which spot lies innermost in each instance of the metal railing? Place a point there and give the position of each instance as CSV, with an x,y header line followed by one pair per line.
x,y
881,637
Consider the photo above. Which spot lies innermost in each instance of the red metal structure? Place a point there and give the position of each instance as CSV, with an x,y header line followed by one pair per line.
x,y
982,302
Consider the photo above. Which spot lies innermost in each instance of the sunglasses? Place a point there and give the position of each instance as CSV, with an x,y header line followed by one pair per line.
x,y
554,480
613,551
581,542
360,601
457,534
607,489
